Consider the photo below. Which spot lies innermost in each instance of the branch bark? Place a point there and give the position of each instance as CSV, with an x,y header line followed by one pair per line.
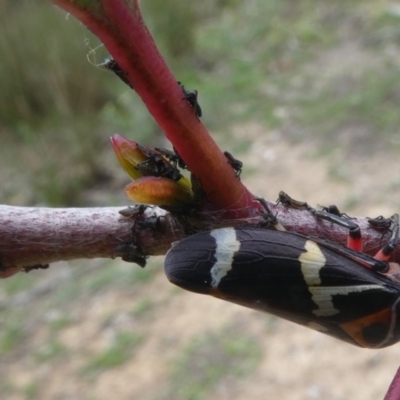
x,y
34,237
38,236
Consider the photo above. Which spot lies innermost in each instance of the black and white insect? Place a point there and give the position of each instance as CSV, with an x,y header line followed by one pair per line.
x,y
319,284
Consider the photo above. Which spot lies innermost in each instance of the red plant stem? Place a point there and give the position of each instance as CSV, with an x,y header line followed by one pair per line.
x,y
124,33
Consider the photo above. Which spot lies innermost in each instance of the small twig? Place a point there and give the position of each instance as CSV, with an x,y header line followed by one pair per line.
x,y
31,237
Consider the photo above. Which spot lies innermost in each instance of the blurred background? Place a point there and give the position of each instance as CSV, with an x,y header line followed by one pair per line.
x,y
305,93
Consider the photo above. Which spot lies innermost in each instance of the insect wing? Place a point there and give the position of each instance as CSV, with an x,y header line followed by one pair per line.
x,y
290,276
